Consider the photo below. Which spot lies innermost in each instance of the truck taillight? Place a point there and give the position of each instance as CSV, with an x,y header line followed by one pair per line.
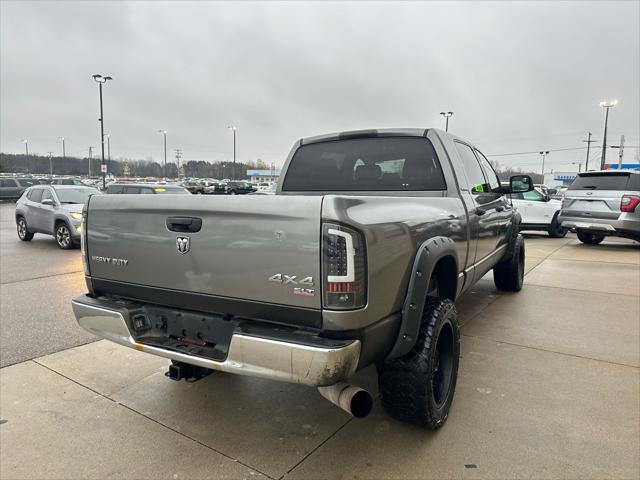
x,y
344,269
629,203
83,241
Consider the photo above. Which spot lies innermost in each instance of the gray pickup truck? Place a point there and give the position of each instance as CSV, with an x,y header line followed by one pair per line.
x,y
357,260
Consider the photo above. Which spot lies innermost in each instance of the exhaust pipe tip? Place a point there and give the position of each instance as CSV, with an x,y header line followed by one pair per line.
x,y
350,398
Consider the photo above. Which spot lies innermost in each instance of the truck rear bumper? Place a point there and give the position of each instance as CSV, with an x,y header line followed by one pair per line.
x,y
248,354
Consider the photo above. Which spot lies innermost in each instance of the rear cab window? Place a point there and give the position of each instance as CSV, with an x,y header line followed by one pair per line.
x,y
607,181
365,164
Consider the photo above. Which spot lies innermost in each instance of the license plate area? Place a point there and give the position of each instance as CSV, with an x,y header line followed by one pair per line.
x,y
191,333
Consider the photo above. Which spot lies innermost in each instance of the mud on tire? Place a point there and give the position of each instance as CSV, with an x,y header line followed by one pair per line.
x,y
418,388
509,273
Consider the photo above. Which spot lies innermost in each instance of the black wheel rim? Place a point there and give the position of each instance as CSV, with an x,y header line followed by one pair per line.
x,y
63,236
443,368
22,229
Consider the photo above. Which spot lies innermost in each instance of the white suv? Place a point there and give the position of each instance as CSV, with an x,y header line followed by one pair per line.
x,y
539,212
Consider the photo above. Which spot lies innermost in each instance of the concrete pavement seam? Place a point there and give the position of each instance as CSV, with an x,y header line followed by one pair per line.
x,y
40,278
153,420
637,367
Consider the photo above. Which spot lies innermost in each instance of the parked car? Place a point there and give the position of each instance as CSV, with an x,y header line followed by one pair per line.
x,y
539,212
196,188
13,188
235,187
145,188
69,181
371,237
598,204
270,190
53,210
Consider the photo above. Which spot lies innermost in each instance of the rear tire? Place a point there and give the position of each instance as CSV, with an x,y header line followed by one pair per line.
x,y
23,230
590,238
555,229
508,275
63,236
418,388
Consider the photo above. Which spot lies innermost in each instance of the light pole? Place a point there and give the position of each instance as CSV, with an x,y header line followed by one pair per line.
x,y
64,153
544,156
233,129
100,79
446,115
164,134
26,146
50,163
606,104
579,166
90,157
108,135
588,142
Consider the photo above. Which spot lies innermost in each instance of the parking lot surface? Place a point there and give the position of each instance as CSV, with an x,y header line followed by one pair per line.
x,y
549,387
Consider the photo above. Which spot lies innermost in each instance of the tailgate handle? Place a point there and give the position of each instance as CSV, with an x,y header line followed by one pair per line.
x,y
184,224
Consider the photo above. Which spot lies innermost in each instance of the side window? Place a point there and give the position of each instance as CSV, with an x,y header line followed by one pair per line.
x,y
115,189
533,196
472,168
36,195
132,190
516,196
7,183
489,172
146,191
47,195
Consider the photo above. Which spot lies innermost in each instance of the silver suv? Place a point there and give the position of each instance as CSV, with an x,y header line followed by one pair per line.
x,y
603,203
53,210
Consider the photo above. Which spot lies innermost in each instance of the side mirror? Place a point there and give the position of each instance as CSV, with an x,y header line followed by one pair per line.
x,y
520,184
47,201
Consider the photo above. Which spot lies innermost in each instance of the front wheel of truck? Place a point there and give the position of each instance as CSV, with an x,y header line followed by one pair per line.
x,y
418,388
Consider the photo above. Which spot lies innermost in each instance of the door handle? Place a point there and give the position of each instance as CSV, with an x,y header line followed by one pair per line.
x,y
184,224
480,212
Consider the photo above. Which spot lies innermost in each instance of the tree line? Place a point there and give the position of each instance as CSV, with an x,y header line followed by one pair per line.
x,y
74,166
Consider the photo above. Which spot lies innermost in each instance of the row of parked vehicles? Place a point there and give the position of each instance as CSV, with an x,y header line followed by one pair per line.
x,y
369,239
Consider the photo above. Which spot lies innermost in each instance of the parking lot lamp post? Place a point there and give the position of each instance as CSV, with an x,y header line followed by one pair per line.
x,y
233,129
26,146
63,152
606,104
164,134
108,151
100,79
544,156
446,115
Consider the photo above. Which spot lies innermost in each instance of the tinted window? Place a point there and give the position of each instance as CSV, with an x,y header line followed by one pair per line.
x,y
36,195
115,189
533,196
488,170
471,167
26,182
600,182
7,183
132,190
367,164
75,195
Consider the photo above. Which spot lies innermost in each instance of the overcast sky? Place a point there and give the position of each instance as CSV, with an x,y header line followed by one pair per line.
x,y
518,76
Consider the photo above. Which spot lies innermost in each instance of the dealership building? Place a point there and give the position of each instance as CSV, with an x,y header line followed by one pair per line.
x,y
263,175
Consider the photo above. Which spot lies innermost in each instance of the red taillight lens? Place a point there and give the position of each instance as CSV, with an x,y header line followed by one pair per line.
x,y
344,269
629,203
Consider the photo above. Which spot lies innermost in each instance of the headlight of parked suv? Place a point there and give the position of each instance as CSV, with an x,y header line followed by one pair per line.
x,y
76,215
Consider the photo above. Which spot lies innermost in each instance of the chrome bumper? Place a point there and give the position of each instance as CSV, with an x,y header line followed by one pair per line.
x,y
587,225
248,355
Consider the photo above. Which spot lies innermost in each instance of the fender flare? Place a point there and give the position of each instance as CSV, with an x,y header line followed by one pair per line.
x,y
427,256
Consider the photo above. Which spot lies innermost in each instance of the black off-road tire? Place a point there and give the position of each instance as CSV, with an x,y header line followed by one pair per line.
x,y
23,230
418,388
509,273
555,229
590,238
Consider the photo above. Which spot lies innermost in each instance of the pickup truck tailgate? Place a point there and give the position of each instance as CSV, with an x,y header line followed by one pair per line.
x,y
243,241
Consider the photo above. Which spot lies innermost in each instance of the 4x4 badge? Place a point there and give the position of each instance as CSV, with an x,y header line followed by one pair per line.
x,y
183,244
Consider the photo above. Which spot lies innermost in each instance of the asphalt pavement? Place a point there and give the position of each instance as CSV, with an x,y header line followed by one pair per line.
x,y
37,282
548,387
